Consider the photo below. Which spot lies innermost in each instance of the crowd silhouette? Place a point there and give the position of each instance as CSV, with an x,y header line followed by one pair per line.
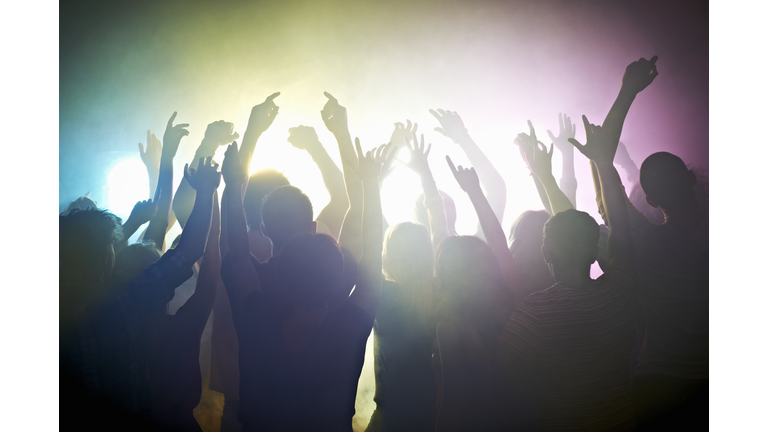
x,y
471,332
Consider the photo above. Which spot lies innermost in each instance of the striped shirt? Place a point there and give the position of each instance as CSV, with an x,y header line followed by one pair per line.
x,y
577,342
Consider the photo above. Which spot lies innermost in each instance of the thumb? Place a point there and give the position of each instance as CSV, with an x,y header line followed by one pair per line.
x,y
141,149
551,135
577,145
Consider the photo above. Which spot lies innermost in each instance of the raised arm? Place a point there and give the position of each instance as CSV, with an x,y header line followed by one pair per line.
x,y
216,134
244,278
419,163
204,180
332,215
526,152
151,160
261,118
600,149
193,315
637,76
368,285
452,126
568,183
494,234
335,119
158,226
540,164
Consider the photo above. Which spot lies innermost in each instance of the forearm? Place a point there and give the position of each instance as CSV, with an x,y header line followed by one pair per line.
x,y
333,214
129,228
542,193
620,245
598,192
369,267
497,241
198,307
557,200
158,226
350,233
493,183
247,147
237,229
614,121
152,174
184,199
568,182
435,205
195,233
353,186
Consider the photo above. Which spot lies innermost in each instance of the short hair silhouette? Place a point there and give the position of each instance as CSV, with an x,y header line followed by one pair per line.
x,y
665,178
260,184
286,212
310,268
571,237
85,244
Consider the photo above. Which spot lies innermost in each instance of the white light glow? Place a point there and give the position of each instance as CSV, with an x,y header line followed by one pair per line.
x,y
127,183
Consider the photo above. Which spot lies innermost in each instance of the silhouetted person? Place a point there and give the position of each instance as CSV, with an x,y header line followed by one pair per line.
x,y
403,333
672,375
475,302
103,360
574,339
299,359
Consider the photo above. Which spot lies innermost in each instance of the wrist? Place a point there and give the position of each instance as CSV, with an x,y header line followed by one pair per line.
x,y
316,150
206,148
426,176
250,136
342,134
461,137
602,165
546,179
626,93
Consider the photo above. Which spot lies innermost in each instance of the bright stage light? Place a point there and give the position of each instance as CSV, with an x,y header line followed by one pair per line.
x,y
127,183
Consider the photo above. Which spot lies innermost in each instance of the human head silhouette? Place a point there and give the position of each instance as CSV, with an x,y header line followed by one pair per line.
x,y
667,181
286,212
86,246
570,239
260,184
